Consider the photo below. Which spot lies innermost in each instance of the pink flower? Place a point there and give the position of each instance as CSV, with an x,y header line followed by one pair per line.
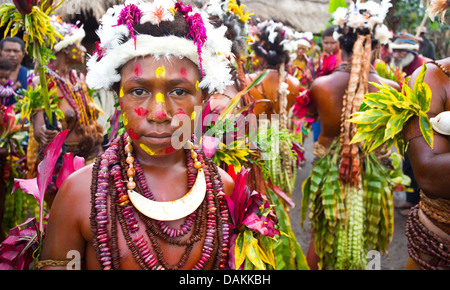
x,y
16,251
251,209
130,15
197,29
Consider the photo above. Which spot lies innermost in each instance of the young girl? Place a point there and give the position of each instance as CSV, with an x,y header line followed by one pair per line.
x,y
7,87
152,203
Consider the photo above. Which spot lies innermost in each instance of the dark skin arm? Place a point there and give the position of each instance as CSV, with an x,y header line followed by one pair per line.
x,y
432,166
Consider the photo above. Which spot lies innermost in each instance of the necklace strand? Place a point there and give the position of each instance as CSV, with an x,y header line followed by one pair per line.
x,y
111,167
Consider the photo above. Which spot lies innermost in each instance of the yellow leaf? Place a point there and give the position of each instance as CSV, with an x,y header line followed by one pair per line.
x,y
239,251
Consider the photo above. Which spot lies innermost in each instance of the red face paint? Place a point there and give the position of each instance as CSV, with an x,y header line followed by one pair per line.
x,y
160,115
137,69
180,112
183,72
141,111
132,134
170,150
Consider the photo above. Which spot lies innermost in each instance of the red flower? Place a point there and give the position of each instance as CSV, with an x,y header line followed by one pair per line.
x,y
251,209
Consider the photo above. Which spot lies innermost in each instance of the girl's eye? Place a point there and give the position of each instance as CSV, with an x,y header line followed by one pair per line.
x,y
138,92
179,92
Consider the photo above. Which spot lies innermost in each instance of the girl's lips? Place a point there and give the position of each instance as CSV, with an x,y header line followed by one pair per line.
x,y
158,138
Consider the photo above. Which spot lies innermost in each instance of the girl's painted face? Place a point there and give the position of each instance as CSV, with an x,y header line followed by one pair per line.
x,y
77,52
156,95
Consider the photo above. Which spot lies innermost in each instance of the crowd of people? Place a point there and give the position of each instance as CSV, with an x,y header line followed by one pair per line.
x,y
196,166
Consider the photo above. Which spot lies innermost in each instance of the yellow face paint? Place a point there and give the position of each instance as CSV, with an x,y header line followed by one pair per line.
x,y
193,115
196,85
121,94
124,118
161,72
159,98
147,150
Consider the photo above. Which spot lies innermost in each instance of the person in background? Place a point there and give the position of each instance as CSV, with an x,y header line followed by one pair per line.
x,y
406,56
13,49
427,47
7,87
406,53
331,59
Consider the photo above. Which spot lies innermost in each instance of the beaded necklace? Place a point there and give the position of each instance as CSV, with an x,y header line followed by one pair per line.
x,y
76,93
210,219
442,68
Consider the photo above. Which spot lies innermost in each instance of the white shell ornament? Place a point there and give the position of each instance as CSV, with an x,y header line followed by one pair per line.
x,y
172,210
441,123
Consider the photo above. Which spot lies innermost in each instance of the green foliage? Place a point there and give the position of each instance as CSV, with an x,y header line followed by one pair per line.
x,y
335,4
349,220
383,114
32,100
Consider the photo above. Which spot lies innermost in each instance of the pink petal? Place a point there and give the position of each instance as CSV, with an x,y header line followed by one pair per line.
x,y
46,166
29,186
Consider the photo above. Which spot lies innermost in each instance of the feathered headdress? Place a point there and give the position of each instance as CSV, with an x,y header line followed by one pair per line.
x,y
209,48
438,8
365,17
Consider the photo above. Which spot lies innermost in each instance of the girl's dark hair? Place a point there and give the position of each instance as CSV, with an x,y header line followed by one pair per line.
x,y
5,64
273,53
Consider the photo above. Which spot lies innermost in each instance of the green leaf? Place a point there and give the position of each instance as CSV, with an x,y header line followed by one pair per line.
x,y
253,250
426,128
395,124
239,251
420,78
424,95
335,4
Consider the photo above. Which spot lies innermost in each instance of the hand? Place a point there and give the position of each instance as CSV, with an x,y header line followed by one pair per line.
x,y
17,85
45,136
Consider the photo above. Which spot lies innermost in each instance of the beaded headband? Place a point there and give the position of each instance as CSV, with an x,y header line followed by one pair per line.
x,y
209,48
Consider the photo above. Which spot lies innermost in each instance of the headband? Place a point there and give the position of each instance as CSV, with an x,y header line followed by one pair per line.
x,y
209,48
72,33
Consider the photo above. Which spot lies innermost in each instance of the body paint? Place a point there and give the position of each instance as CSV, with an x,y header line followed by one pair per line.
x,y
141,111
196,85
121,94
132,134
147,150
137,69
180,111
124,118
160,72
169,150
159,98
160,115
183,72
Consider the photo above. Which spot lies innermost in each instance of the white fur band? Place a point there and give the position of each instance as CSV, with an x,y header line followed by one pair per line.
x,y
104,73
68,40
404,46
